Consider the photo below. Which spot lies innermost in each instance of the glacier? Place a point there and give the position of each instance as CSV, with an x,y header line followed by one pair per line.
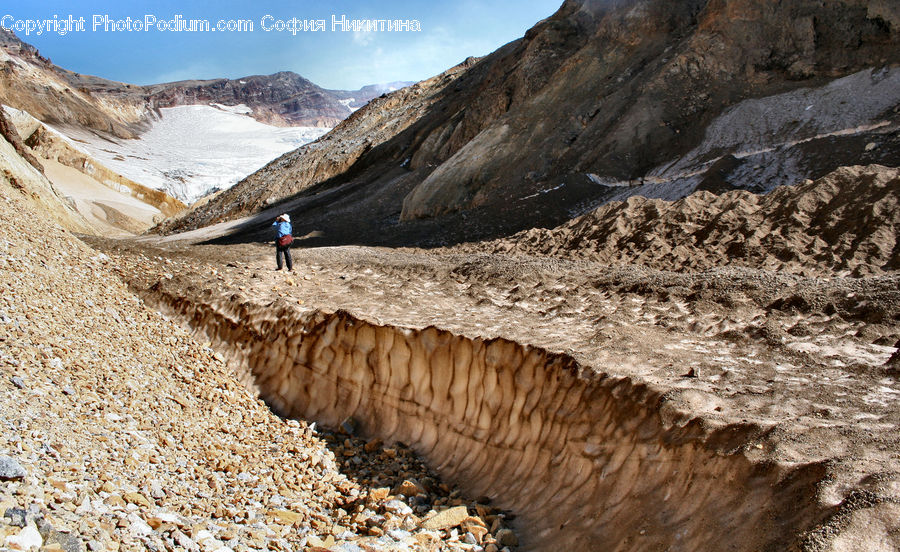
x,y
192,151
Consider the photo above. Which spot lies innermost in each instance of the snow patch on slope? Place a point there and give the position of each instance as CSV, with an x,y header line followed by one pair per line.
x,y
763,131
191,151
346,103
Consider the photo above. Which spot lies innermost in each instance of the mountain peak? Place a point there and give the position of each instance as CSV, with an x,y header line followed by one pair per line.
x,y
14,45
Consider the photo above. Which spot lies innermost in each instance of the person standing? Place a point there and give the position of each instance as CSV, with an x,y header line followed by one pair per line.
x,y
283,240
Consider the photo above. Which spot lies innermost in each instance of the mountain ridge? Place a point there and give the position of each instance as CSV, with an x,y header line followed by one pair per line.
x,y
124,110
130,128
281,99
599,98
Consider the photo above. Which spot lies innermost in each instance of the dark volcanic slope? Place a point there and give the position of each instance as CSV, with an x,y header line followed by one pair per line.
x,y
652,93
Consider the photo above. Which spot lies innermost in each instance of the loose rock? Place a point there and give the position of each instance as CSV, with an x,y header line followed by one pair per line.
x,y
505,537
29,538
451,517
10,469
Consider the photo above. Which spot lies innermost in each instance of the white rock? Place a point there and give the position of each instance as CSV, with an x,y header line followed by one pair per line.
x,y
10,470
100,507
185,541
85,507
209,543
138,527
156,489
397,507
398,534
169,517
27,539
203,535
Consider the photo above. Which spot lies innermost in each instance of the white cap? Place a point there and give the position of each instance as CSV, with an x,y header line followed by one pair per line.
x,y
285,218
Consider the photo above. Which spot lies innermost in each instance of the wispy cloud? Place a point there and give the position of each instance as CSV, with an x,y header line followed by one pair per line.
x,y
363,38
398,57
188,72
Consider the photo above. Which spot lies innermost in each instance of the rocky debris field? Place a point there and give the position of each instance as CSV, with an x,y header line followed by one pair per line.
x,y
120,432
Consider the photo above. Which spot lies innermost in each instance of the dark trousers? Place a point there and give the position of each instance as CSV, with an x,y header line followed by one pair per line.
x,y
286,253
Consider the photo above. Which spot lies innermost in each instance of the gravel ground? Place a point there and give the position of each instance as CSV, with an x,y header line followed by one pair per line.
x,y
119,432
804,356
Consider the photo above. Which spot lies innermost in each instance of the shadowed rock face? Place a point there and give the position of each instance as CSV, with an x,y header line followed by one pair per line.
x,y
599,93
9,132
585,461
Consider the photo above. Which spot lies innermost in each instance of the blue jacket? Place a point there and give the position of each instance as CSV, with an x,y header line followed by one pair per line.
x,y
284,228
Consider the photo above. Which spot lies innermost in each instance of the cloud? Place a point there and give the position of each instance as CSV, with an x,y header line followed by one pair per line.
x,y
187,72
403,57
363,38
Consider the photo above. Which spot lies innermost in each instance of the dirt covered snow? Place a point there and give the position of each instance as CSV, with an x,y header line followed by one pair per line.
x,y
844,223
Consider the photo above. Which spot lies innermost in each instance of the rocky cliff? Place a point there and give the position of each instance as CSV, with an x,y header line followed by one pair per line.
x,y
52,147
23,180
71,187
600,101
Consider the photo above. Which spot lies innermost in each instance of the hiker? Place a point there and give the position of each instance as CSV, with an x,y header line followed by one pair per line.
x,y
283,240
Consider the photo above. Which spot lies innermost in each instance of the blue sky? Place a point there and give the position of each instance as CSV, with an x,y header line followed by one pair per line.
x,y
450,32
